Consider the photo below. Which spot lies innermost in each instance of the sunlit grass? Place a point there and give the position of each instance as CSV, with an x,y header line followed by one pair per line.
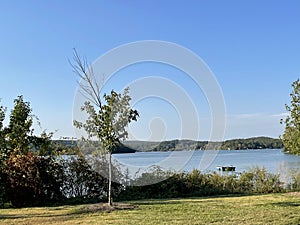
x,y
261,209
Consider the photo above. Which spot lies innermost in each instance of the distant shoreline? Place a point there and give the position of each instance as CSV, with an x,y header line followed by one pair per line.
x,y
254,143
181,145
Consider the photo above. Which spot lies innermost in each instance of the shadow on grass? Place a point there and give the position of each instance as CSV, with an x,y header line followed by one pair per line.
x,y
184,199
286,204
94,208
103,207
157,202
17,216
42,214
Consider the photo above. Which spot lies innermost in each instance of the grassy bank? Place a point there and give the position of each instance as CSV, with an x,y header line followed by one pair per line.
x,y
261,209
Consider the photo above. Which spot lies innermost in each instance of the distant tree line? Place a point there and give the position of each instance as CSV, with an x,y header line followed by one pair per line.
x,y
235,144
179,145
253,143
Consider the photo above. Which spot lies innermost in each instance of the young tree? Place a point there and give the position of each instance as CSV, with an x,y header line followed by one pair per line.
x,y
107,121
19,127
291,135
18,135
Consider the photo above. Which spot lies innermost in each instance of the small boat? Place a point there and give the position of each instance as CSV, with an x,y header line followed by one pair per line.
x,y
226,168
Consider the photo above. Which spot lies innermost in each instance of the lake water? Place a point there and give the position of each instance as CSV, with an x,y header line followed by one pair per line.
x,y
274,161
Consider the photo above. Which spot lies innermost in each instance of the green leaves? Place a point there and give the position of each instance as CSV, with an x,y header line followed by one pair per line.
x,y
109,123
18,135
291,136
19,128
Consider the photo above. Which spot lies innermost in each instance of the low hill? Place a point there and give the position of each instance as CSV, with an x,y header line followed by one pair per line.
x,y
234,144
178,145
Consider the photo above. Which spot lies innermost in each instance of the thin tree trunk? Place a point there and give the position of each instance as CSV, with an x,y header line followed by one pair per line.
x,y
109,178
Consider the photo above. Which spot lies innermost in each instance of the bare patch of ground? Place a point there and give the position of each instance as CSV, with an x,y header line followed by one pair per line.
x,y
104,207
296,194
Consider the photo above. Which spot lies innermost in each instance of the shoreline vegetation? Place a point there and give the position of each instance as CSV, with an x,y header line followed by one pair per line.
x,y
30,180
178,145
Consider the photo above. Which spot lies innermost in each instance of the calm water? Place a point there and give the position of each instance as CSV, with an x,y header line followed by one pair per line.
x,y
274,161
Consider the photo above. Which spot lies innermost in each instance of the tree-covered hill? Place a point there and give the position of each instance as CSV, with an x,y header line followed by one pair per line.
x,y
253,143
234,144
178,145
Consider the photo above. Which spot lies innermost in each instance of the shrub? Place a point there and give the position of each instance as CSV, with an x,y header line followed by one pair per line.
x,y
264,182
3,188
83,183
32,180
295,181
196,183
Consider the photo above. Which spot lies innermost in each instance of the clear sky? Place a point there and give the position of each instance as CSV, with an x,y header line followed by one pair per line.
x,y
252,47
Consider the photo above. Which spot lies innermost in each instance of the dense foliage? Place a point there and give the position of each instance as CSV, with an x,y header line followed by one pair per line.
x,y
18,136
291,136
196,183
83,181
34,180
19,168
31,180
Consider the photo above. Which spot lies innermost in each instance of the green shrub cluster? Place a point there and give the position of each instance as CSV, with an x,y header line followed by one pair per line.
x,y
31,180
196,183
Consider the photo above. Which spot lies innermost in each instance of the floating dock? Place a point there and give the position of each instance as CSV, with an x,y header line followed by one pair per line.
x,y
226,168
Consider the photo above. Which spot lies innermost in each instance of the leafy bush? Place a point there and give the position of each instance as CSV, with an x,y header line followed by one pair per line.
x,y
259,181
84,183
32,180
3,188
196,183
295,181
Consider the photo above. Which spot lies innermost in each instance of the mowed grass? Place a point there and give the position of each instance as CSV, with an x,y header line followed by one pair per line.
x,y
259,209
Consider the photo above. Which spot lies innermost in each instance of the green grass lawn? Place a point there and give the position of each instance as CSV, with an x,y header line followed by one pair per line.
x,y
260,209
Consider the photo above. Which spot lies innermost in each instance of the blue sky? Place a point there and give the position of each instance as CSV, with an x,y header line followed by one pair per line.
x,y
252,47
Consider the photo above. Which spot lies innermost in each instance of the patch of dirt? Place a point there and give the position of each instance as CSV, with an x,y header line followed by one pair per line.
x,y
104,207
296,194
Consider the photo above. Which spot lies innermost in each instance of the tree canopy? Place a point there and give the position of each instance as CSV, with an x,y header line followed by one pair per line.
x,y
18,135
291,135
20,126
